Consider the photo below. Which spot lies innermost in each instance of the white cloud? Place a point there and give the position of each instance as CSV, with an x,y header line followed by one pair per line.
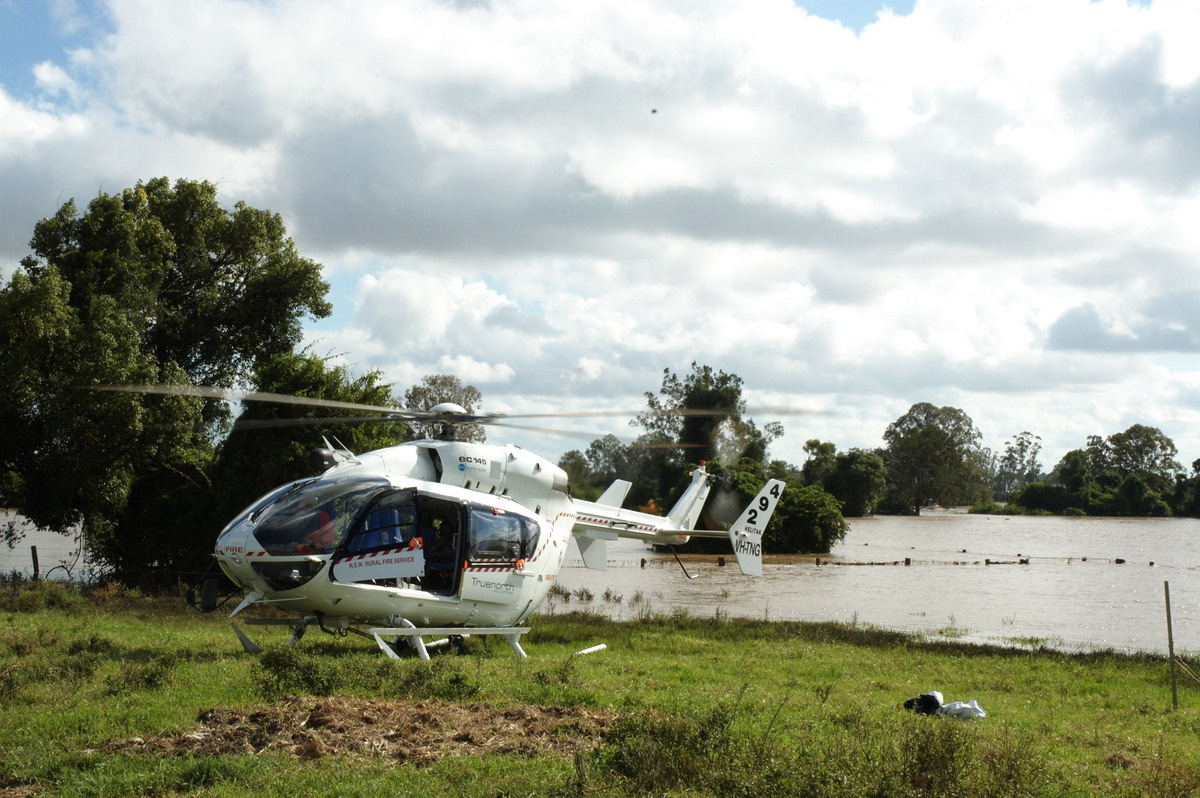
x,y
53,79
986,205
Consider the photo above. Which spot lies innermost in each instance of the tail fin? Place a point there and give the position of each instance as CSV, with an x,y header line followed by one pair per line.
x,y
686,511
746,532
615,495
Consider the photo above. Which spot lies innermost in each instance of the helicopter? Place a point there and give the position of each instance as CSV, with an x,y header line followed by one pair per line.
x,y
433,538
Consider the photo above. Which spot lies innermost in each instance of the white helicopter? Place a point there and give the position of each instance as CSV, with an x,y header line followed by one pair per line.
x,y
435,537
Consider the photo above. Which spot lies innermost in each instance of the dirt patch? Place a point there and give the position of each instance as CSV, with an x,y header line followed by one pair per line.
x,y
421,732
16,790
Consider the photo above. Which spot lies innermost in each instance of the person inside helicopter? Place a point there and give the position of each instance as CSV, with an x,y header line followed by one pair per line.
x,y
442,553
324,533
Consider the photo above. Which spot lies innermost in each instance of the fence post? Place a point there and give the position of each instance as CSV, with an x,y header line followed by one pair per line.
x,y
1171,646
33,551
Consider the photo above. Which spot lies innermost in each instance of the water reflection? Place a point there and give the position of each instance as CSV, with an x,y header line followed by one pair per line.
x,y
1088,583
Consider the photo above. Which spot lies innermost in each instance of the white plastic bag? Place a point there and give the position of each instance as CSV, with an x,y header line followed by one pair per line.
x,y
963,710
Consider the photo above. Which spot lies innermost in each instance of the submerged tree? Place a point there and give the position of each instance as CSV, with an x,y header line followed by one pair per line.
x,y
857,478
934,454
807,518
1128,473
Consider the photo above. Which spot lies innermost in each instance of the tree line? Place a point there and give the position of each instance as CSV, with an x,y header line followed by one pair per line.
x,y
162,284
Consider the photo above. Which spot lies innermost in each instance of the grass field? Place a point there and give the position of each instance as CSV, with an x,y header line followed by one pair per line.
x,y
117,694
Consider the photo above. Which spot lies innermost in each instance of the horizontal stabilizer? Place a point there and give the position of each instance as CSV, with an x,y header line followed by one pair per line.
x,y
593,548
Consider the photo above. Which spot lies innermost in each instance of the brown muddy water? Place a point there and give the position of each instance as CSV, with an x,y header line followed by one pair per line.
x,y
1070,583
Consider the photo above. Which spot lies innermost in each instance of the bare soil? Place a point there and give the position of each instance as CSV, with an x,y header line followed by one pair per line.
x,y
421,732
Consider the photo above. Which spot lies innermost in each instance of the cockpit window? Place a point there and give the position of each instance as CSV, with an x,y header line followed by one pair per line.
x,y
263,502
497,535
314,518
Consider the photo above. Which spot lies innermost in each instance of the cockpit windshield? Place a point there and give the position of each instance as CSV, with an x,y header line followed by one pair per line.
x,y
315,518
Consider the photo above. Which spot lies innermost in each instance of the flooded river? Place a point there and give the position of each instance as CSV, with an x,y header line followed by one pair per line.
x,y
1074,583
57,555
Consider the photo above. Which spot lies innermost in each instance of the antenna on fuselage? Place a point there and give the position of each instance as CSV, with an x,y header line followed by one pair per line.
x,y
323,459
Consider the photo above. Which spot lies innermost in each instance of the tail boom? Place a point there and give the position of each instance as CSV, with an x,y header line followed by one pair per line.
x,y
596,523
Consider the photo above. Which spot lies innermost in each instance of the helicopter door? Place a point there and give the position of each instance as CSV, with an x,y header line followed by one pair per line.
x,y
385,544
500,542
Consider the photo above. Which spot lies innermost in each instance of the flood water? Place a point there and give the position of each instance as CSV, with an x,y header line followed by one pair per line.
x,y
1073,593
57,555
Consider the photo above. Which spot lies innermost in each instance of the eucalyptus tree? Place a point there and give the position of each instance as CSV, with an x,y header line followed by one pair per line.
x,y
1019,465
1140,451
858,481
433,390
697,418
807,519
1128,473
857,478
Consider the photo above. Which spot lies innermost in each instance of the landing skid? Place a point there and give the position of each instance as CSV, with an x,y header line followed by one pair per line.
x,y
250,647
412,635
415,637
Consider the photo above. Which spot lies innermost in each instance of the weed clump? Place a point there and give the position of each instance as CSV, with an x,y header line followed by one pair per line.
x,y
151,674
712,749
18,594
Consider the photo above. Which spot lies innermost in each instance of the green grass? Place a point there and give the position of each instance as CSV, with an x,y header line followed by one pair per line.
x,y
697,707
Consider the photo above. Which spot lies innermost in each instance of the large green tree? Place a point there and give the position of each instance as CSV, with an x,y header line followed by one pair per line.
x,y
159,283
935,454
1130,473
697,418
858,481
1140,450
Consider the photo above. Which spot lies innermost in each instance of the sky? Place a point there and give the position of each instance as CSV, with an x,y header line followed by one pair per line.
x,y
854,206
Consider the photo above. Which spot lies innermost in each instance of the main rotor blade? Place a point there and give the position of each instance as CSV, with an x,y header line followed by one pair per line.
x,y
280,423
568,433
211,392
405,414
682,411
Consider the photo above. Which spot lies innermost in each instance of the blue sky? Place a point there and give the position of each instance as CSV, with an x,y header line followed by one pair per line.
x,y
853,206
33,32
852,13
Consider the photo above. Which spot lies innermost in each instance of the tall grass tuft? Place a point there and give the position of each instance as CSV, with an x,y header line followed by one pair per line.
x,y
18,594
286,670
